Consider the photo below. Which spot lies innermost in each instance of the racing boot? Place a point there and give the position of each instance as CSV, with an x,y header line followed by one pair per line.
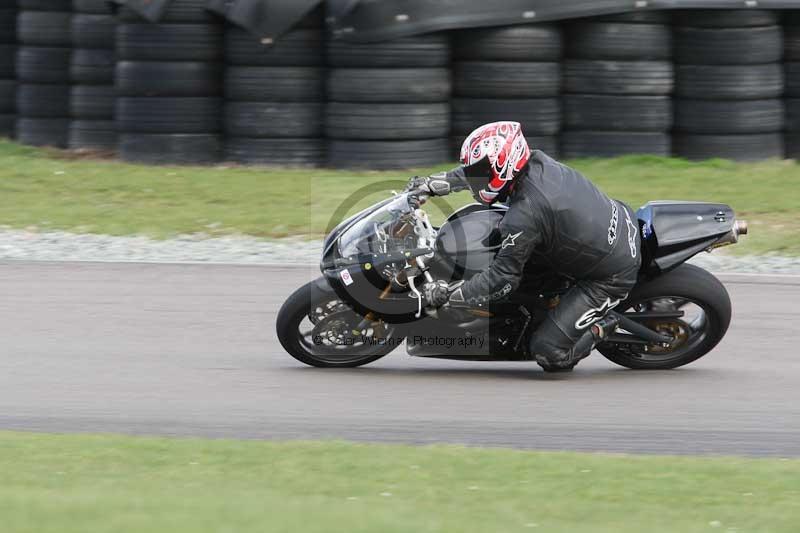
x,y
599,331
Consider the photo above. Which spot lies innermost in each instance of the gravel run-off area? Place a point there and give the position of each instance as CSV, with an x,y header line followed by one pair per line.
x,y
62,246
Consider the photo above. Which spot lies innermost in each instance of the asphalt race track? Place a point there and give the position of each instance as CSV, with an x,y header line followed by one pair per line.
x,y
191,350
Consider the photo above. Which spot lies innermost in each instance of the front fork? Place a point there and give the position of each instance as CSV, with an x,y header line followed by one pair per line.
x,y
369,318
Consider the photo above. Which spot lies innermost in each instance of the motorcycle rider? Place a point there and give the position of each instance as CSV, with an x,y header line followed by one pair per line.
x,y
556,219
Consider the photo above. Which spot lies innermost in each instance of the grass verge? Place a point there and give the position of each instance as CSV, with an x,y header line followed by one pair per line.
x,y
86,484
48,190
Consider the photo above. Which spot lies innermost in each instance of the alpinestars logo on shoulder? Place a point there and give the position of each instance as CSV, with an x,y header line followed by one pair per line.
x,y
510,240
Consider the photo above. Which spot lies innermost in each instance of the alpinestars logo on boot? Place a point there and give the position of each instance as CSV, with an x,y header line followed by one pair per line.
x,y
593,315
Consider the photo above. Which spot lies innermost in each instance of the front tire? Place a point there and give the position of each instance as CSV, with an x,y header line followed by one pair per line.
x,y
686,285
315,327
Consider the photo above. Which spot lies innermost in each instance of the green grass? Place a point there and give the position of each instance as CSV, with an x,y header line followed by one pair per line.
x,y
46,189
86,484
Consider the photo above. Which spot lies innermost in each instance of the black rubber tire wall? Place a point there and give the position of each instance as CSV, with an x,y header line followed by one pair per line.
x,y
43,101
43,64
42,131
170,148
268,119
8,63
92,102
44,28
525,43
276,152
729,82
274,94
168,115
8,125
479,79
791,43
538,116
96,7
613,143
728,46
619,77
178,11
298,48
176,42
8,82
8,26
638,17
752,147
387,121
729,117
275,84
431,50
44,5
617,113
792,106
168,78
94,134
8,96
398,85
792,144
608,40
93,31
725,18
43,71
92,67
792,78
379,155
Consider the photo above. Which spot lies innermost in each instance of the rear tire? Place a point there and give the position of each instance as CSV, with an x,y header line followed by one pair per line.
x,y
687,281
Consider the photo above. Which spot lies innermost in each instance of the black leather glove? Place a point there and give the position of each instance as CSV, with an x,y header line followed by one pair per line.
x,y
436,185
436,293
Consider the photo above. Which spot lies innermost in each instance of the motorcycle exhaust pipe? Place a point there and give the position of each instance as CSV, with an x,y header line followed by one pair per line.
x,y
732,237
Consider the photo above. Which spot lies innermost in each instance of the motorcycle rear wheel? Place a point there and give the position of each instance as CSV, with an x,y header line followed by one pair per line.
x,y
685,289
315,327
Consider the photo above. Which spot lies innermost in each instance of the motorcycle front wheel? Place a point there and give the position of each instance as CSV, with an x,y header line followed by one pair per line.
x,y
317,328
687,304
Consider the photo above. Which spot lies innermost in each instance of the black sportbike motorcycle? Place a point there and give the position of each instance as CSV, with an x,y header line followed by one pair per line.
x,y
367,303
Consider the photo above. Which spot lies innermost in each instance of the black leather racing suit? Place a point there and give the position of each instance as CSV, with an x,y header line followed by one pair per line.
x,y
558,219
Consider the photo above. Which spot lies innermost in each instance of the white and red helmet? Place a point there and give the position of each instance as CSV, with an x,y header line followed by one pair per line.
x,y
493,155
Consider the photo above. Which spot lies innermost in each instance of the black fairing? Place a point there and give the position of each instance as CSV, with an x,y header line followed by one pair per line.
x,y
673,232
469,240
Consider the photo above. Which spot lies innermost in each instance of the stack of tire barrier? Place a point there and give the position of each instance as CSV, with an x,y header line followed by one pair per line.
x,y
791,31
92,74
388,103
8,78
618,78
169,86
509,73
274,97
729,85
43,64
